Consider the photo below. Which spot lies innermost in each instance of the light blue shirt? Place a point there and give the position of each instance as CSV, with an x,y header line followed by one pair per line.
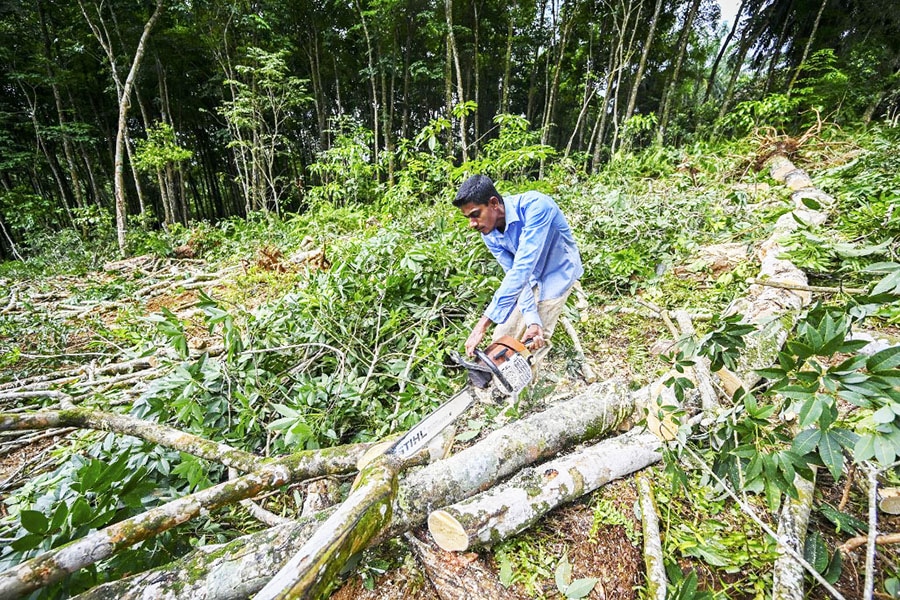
x,y
536,248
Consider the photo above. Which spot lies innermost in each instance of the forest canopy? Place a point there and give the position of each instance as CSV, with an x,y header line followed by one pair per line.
x,y
232,107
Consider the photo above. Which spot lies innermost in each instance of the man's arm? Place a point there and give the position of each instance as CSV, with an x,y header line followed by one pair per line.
x,y
536,227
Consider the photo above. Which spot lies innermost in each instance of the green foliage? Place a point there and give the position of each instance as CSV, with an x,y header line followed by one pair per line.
x,y
513,152
345,171
159,149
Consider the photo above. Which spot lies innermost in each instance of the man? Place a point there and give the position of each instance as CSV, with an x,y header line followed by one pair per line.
x,y
530,238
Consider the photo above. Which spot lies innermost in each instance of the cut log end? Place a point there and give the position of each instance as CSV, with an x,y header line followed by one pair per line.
x,y
448,533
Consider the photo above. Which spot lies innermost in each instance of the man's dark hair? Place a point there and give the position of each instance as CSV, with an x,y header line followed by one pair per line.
x,y
477,189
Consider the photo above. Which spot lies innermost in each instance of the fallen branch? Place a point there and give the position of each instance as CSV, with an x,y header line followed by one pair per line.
x,y
784,285
787,581
656,582
882,540
87,418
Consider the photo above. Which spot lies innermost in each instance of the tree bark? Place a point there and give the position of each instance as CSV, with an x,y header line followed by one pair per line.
x,y
124,97
507,509
788,578
310,573
642,64
806,48
655,576
52,566
455,576
667,101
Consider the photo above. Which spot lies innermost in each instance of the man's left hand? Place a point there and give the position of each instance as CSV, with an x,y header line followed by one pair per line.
x,y
536,334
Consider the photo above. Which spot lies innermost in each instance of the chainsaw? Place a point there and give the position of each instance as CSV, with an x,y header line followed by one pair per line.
x,y
506,363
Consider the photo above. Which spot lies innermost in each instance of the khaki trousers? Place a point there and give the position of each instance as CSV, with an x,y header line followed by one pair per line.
x,y
549,311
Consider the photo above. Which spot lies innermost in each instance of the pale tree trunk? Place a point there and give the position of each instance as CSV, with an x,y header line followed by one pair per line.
x,y
642,64
372,81
788,575
507,62
476,61
727,42
124,97
807,47
655,579
669,91
60,112
461,96
623,59
567,21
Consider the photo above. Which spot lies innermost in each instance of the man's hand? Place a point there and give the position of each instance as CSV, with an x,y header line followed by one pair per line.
x,y
477,335
536,334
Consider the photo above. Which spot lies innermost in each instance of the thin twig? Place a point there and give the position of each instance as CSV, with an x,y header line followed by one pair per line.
x,y
805,288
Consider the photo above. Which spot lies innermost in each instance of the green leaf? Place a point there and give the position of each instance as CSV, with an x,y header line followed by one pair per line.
x,y
835,566
563,574
885,414
34,521
831,455
506,572
884,450
843,522
467,435
810,411
884,360
815,552
581,588
890,283
864,448
27,542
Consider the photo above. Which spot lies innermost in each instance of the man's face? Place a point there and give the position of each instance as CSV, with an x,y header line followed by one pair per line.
x,y
484,218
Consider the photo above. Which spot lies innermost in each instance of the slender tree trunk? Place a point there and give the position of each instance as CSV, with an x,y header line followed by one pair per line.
x,y
477,64
507,62
776,52
748,33
642,64
727,42
451,41
124,96
52,162
372,81
623,58
667,99
807,47
60,112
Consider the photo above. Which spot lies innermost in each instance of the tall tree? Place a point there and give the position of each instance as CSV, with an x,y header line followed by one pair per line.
x,y
98,26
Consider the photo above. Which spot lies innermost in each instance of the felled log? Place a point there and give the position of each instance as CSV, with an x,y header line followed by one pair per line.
x,y
457,576
775,310
515,505
55,564
788,579
241,567
310,573
656,582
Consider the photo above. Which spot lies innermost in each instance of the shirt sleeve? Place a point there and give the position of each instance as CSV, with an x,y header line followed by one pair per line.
x,y
516,283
